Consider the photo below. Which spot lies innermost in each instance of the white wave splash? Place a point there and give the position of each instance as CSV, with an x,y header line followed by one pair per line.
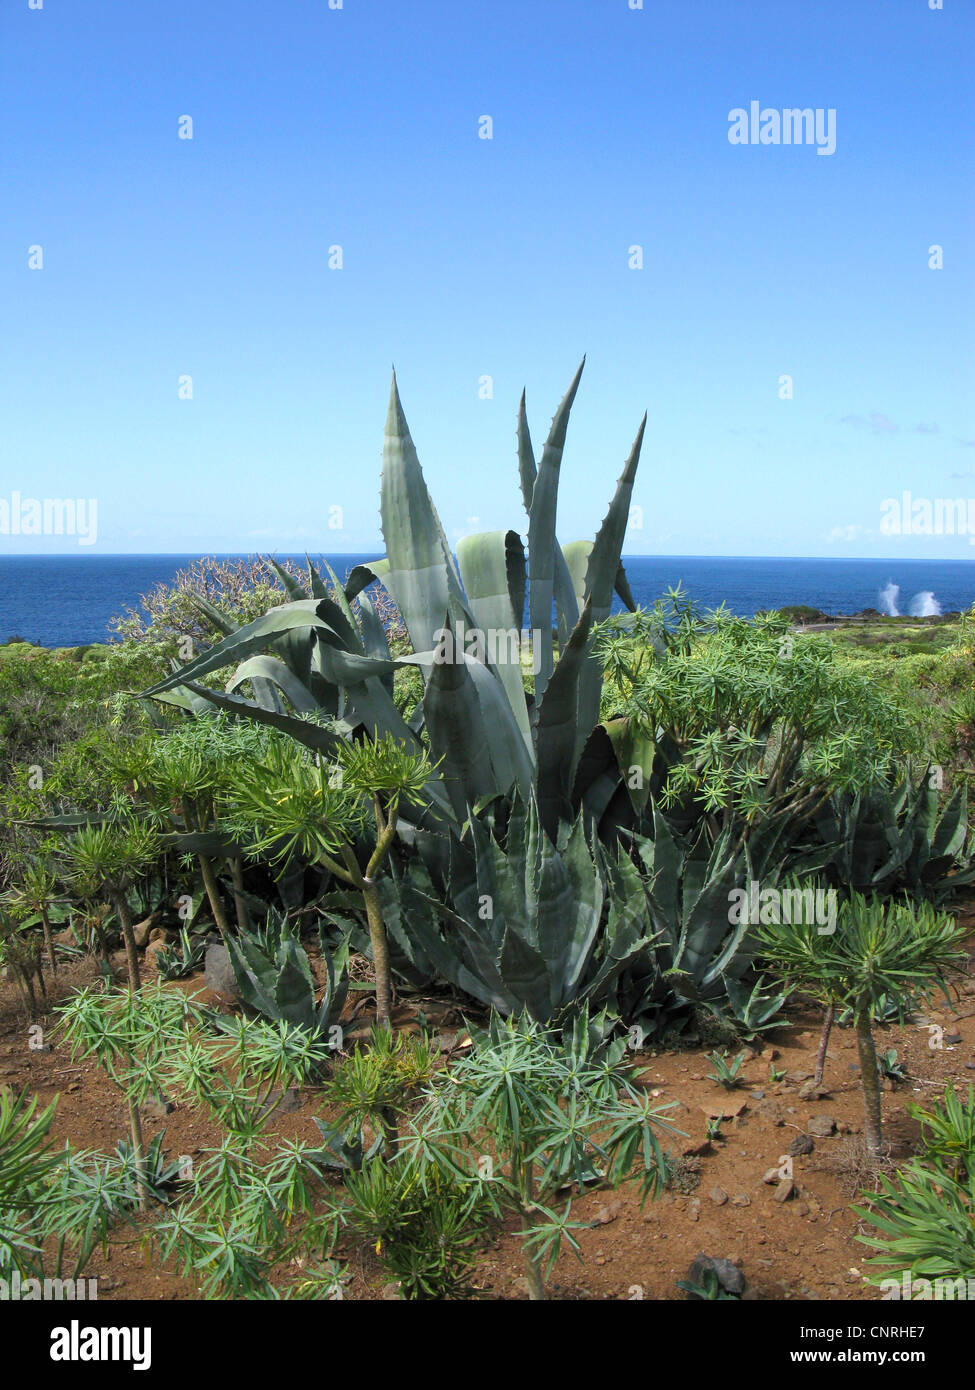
x,y
925,605
887,600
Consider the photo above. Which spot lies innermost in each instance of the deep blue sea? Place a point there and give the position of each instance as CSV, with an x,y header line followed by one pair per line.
x,y
67,600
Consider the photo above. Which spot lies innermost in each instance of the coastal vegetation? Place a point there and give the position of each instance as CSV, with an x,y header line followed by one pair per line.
x,y
281,804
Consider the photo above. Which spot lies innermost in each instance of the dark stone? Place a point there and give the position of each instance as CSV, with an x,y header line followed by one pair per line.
x,y
801,1144
729,1276
218,973
157,1108
283,1104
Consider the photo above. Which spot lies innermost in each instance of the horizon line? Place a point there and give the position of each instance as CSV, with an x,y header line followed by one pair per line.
x,y
289,554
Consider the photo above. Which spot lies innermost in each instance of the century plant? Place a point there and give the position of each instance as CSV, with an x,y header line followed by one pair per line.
x,y
529,925
891,838
878,952
175,962
274,977
522,923
702,961
725,1072
316,656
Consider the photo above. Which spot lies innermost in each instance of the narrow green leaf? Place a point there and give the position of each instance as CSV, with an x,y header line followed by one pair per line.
x,y
541,536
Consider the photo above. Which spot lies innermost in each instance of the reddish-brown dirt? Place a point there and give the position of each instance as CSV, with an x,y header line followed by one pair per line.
x,y
800,1248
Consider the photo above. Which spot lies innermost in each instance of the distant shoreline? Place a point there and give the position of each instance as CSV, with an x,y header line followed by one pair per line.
x,y
819,622
58,602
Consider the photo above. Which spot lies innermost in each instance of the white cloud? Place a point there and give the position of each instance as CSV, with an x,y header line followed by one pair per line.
x,y
846,533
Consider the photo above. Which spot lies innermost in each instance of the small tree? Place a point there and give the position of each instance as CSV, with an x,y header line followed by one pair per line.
x,y
751,725
235,1216
124,1037
300,806
188,772
20,953
894,952
105,860
35,892
530,1116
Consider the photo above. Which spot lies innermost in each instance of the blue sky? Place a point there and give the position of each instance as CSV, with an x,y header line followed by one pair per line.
x,y
464,257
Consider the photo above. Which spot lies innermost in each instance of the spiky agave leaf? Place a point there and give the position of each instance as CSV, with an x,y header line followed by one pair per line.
x,y
542,544
421,576
492,567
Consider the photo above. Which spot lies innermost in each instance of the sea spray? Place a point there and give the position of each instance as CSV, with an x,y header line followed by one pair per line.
x,y
925,605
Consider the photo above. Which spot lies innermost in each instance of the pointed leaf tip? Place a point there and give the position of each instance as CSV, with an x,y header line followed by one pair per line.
x,y
395,419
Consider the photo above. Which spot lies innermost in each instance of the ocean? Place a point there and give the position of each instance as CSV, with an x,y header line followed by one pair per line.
x,y
68,600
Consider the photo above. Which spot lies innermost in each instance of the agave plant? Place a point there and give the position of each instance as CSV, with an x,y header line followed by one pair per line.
x,y
175,963
316,658
531,926
702,958
521,923
275,980
890,839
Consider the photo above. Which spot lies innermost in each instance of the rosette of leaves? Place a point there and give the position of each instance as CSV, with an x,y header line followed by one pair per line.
x,y
529,925
274,977
325,653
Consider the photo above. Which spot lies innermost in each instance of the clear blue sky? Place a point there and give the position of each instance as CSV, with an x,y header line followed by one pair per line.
x,y
466,257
